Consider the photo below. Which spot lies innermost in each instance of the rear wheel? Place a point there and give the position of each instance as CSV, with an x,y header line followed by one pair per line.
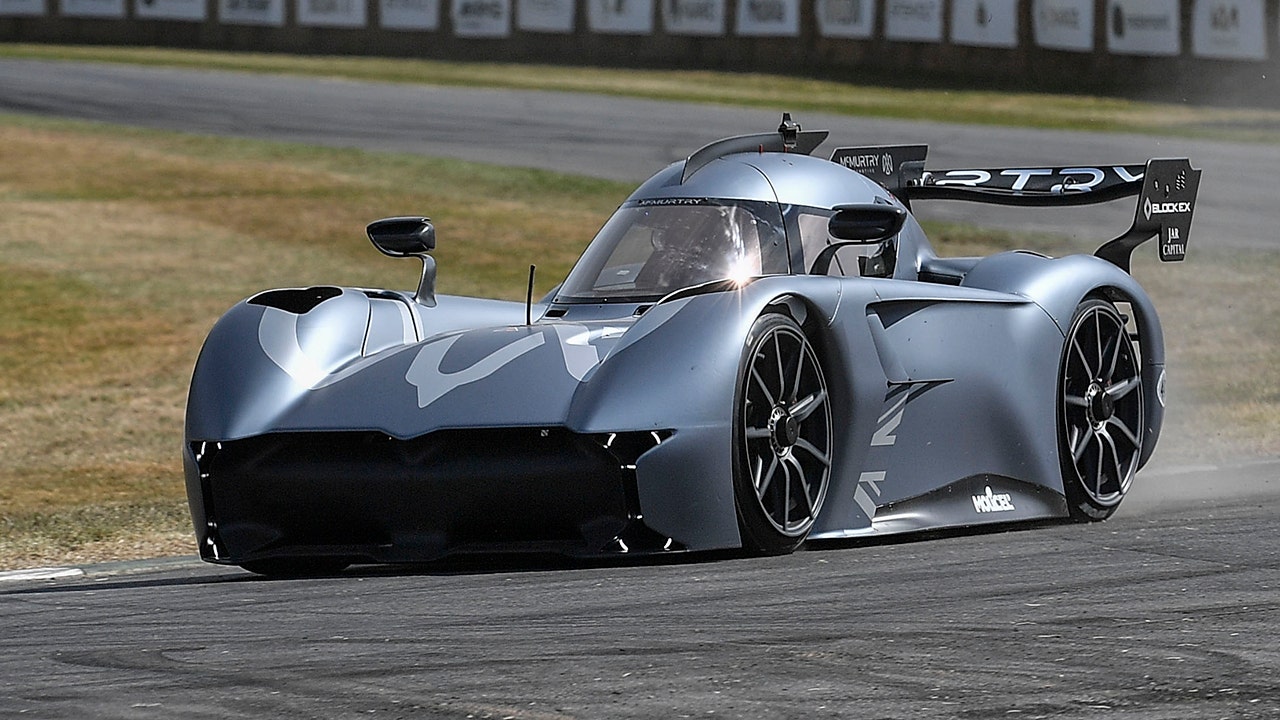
x,y
1100,414
782,462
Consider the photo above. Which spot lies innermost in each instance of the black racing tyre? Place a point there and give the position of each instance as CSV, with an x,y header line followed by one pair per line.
x,y
1100,411
296,567
782,437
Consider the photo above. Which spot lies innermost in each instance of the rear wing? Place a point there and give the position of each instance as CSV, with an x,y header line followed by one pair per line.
x,y
1166,190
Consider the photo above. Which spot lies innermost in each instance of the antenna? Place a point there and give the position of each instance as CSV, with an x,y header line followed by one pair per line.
x,y
528,298
790,131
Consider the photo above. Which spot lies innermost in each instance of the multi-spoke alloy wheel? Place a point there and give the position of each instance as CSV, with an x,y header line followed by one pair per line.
x,y
1100,414
784,436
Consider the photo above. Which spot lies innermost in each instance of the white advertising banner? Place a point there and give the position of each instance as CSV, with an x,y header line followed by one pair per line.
x,y
93,8
1144,27
620,17
913,20
251,12
693,17
1063,24
549,16
332,13
985,23
195,10
28,8
482,18
1229,29
846,18
769,18
409,14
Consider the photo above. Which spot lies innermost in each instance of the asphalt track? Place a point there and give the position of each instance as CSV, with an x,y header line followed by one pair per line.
x,y
622,138
1165,611
1169,610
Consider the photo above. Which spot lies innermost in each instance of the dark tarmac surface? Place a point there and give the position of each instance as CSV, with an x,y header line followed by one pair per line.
x,y
1169,610
1165,611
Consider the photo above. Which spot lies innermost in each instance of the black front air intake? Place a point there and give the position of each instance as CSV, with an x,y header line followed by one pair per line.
x,y
387,500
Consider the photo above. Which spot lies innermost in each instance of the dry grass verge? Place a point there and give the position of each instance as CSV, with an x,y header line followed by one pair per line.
x,y
119,249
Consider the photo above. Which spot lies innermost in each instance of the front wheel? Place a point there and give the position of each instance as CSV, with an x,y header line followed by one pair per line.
x,y
1100,415
782,462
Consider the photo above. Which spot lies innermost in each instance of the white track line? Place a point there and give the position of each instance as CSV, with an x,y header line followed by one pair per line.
x,y
48,573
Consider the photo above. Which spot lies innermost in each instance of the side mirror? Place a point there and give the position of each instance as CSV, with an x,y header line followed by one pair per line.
x,y
409,237
862,224
866,223
403,236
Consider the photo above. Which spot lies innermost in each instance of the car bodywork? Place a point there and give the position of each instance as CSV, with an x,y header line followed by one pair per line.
x,y
616,415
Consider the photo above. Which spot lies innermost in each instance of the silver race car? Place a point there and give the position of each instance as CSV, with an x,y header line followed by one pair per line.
x,y
759,348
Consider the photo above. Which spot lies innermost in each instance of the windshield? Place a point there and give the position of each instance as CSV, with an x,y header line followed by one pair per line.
x,y
652,247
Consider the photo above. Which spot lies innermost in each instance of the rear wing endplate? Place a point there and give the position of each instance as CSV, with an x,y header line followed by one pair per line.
x,y
1166,190
1165,206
